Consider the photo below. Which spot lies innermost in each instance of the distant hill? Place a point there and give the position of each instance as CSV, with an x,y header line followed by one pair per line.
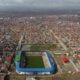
x,y
34,12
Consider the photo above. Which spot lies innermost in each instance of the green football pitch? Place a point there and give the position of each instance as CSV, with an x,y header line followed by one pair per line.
x,y
34,62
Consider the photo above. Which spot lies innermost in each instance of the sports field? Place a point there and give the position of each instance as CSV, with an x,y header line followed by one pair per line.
x,y
34,62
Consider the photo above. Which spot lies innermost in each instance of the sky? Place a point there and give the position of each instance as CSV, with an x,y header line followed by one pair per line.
x,y
39,4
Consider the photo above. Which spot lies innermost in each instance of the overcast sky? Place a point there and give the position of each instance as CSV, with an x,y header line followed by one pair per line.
x,y
40,3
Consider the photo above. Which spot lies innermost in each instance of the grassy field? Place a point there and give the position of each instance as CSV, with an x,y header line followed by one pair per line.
x,y
42,47
34,62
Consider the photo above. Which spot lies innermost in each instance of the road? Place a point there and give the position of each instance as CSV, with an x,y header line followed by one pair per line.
x,y
60,42
65,48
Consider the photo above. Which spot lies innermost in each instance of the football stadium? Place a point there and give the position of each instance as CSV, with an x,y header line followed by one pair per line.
x,y
34,63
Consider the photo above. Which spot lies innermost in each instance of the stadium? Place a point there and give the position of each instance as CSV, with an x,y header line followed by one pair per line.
x,y
34,63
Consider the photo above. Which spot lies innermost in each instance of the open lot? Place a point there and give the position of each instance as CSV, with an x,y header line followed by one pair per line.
x,y
63,67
